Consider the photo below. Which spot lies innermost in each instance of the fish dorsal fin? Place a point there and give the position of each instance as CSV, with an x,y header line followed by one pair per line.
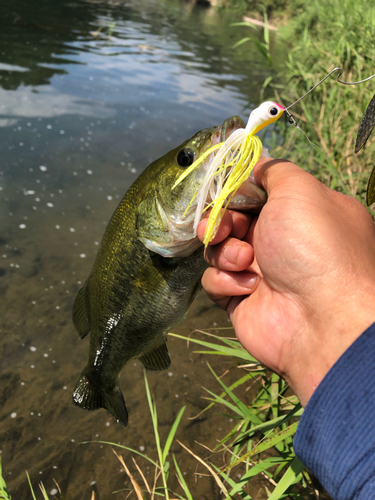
x,y
157,358
80,315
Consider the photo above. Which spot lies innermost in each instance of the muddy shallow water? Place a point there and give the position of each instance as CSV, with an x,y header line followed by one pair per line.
x,y
91,93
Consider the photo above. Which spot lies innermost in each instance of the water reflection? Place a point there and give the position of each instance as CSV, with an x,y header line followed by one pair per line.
x,y
90,94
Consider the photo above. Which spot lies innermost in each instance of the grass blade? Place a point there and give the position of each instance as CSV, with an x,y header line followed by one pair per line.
x,y
214,475
233,386
245,412
4,494
136,487
290,477
126,448
31,486
268,443
218,399
182,480
272,424
156,433
237,352
171,434
237,44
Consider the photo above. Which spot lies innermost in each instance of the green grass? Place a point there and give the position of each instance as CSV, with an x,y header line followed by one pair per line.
x,y
325,35
318,37
258,447
4,494
260,444
161,464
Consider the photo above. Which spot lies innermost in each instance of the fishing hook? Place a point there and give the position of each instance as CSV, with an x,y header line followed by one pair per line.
x,y
321,81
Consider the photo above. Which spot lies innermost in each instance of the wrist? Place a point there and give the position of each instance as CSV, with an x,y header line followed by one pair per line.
x,y
325,348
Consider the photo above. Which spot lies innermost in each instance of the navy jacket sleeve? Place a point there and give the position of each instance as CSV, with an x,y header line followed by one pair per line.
x,y
336,435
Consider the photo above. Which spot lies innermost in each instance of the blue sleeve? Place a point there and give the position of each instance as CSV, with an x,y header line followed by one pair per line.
x,y
336,435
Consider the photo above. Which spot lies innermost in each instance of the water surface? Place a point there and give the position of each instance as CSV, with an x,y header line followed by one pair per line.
x,y
91,93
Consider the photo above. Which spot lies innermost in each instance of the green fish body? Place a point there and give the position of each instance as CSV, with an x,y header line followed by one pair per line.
x,y
146,274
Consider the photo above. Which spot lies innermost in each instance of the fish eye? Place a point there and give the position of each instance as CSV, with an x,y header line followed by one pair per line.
x,y
185,157
273,111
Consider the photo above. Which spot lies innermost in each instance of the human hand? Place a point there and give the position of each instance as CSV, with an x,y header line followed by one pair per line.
x,y
298,281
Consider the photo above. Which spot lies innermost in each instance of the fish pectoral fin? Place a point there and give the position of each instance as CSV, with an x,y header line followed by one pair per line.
x,y
157,358
88,396
80,315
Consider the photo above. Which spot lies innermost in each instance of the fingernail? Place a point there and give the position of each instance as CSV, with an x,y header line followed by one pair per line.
x,y
231,253
250,283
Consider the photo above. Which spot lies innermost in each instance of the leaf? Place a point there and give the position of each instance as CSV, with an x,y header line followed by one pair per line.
x,y
125,448
255,469
237,44
269,443
137,489
245,23
172,433
31,486
233,386
290,477
267,81
272,424
237,352
214,475
233,484
4,494
229,405
244,411
182,480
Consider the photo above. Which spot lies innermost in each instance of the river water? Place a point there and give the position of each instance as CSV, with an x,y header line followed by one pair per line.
x,y
90,93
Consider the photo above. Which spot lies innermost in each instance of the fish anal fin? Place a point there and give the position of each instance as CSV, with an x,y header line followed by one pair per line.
x,y
88,396
80,314
156,359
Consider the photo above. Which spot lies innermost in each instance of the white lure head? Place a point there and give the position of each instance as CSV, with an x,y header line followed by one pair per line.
x,y
267,113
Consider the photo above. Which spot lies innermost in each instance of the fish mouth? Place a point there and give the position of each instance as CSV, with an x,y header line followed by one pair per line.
x,y
250,196
229,126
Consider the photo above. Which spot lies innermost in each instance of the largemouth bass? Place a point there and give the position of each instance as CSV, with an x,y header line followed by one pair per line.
x,y
147,271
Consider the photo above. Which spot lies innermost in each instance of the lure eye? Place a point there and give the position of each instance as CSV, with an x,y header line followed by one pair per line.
x,y
273,111
185,157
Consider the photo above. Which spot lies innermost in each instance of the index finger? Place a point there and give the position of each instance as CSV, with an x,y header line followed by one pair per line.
x,y
235,224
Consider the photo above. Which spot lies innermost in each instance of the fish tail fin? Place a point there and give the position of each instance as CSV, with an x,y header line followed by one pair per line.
x,y
88,396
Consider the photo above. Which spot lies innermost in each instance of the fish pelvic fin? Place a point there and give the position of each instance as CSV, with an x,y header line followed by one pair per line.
x,y
88,396
157,358
80,315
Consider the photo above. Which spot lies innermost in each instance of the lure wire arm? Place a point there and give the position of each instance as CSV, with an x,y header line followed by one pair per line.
x,y
317,85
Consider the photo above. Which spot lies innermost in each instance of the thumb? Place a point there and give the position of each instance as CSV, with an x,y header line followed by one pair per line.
x,y
279,177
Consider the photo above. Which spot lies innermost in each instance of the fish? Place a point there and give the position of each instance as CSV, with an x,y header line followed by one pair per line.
x,y
147,271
